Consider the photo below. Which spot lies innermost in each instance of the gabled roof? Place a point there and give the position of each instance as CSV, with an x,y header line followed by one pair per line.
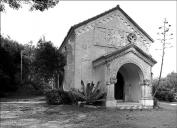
x,y
100,15
109,57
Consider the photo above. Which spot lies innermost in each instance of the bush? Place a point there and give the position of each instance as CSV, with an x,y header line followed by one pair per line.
x,y
165,96
90,93
43,87
167,89
58,96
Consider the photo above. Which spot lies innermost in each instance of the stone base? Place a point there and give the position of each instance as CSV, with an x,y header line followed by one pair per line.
x,y
126,105
111,103
147,102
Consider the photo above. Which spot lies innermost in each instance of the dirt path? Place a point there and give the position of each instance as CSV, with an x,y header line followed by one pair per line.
x,y
40,115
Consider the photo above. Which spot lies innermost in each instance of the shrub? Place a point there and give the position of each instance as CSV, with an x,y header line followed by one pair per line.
x,y
58,96
89,93
167,89
43,87
165,95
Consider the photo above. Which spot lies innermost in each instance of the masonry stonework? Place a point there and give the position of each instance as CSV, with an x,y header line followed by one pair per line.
x,y
104,46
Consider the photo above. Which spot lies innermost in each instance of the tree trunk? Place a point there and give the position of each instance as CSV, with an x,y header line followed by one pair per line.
x,y
58,81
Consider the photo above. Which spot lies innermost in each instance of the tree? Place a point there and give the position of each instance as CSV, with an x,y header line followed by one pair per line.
x,y
28,57
49,62
35,4
163,40
9,65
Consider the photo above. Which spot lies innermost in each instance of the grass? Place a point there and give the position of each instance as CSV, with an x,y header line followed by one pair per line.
x,y
66,116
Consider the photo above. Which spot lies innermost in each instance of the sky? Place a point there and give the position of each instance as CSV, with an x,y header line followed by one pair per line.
x,y
24,26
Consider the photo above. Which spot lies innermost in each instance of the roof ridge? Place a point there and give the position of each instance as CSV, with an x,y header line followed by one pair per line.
x,y
95,17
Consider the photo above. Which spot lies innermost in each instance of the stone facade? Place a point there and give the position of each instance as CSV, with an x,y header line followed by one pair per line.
x,y
97,49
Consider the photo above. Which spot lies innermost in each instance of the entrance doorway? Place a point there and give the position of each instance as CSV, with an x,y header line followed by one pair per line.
x,y
127,87
119,87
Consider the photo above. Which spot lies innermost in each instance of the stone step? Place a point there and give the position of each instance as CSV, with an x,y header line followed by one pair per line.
x,y
134,107
130,105
126,105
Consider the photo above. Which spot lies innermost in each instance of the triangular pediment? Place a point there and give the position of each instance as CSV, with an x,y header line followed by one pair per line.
x,y
121,52
100,25
108,16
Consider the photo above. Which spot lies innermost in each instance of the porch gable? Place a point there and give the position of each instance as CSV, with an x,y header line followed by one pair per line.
x,y
120,52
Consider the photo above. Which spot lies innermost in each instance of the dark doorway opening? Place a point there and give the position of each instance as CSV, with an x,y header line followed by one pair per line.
x,y
119,87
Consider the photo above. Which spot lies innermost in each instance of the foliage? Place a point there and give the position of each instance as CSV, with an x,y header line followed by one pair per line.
x,y
28,56
165,96
90,93
58,96
10,65
30,76
35,4
167,90
41,66
49,62
39,85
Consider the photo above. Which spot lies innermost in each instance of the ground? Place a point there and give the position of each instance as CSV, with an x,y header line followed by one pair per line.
x,y
35,113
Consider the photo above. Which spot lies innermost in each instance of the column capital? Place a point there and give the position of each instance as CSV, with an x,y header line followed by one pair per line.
x,y
108,83
113,80
146,82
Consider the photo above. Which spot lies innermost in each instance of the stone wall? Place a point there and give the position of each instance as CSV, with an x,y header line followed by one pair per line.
x,y
101,37
97,38
69,52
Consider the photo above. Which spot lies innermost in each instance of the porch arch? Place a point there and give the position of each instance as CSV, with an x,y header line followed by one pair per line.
x,y
117,64
127,88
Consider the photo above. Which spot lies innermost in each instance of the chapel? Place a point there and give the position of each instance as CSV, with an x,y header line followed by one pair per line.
x,y
113,49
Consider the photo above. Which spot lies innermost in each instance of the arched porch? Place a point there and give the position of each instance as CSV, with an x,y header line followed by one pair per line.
x,y
128,88
127,76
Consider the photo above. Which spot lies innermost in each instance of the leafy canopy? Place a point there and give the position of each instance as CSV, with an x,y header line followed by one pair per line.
x,y
49,61
35,4
9,64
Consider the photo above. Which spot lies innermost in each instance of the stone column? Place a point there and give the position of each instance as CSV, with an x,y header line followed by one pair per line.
x,y
110,100
146,94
